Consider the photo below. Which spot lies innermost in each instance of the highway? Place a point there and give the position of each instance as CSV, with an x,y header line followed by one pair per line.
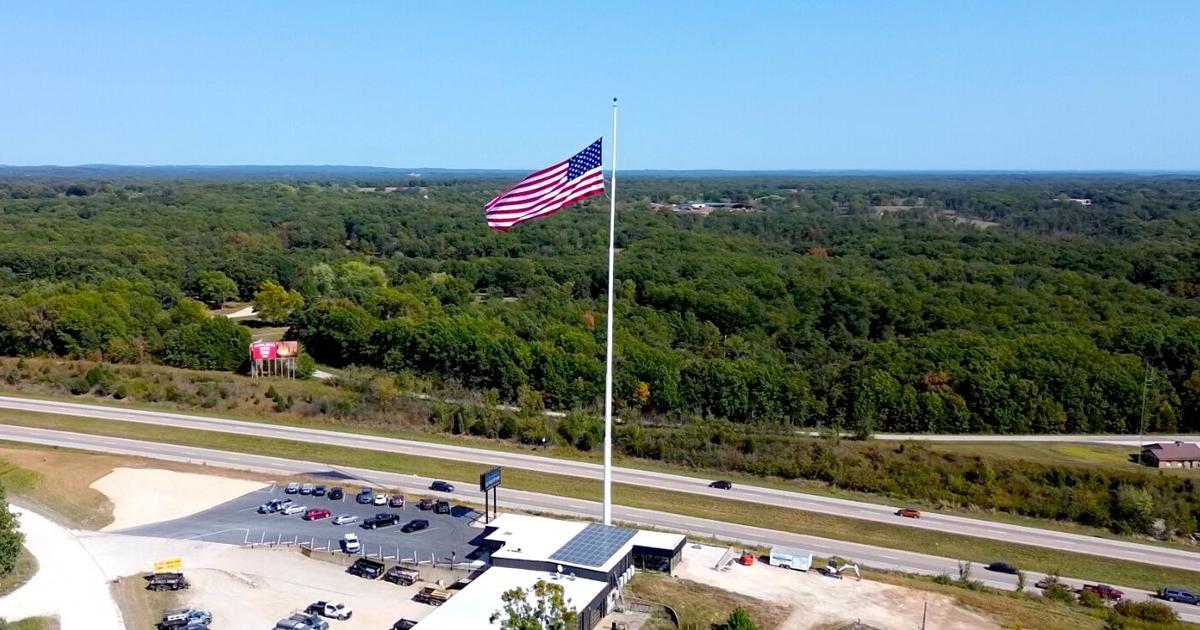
x,y
877,557
1026,535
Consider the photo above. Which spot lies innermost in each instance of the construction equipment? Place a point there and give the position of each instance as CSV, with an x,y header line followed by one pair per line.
x,y
836,567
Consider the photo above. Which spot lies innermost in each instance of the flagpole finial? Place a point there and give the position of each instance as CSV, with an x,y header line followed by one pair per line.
x,y
614,101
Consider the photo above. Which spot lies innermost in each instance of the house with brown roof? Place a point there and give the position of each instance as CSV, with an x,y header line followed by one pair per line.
x,y
1172,455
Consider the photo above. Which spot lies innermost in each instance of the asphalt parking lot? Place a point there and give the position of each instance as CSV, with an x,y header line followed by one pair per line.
x,y
237,522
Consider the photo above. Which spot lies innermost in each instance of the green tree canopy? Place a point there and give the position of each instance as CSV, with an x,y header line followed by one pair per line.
x,y
275,303
542,607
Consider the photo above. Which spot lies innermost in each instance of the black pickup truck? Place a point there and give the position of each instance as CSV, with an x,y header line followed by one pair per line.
x,y
381,520
366,568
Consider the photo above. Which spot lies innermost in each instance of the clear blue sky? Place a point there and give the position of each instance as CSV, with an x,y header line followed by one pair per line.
x,y
737,85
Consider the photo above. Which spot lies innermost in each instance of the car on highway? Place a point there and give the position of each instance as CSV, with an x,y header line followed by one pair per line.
x,y
1174,594
1002,567
366,568
345,519
425,504
397,501
909,513
316,514
336,493
381,520
307,489
1049,581
364,496
380,499
441,507
319,491
441,486
1103,591
294,509
415,525
292,488
333,610
721,484
350,543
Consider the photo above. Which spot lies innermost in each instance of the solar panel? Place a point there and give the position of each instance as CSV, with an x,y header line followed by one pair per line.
x,y
593,546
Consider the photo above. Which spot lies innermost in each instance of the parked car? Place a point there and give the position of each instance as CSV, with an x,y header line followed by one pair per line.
x,y
291,624
397,501
307,489
336,493
184,619
402,576
404,624
366,568
292,488
350,543
273,506
1002,567
721,484
425,504
319,491
294,509
441,507
415,525
365,496
1173,594
381,520
908,513
380,499
310,620
316,514
166,582
345,519
333,610
441,486
1103,591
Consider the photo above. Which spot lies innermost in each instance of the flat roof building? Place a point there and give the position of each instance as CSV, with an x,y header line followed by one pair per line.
x,y
592,562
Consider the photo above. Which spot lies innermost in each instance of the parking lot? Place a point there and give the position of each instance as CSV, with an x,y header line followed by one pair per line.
x,y
237,522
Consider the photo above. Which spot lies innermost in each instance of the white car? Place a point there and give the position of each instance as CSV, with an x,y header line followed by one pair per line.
x,y
293,509
292,488
345,519
381,499
350,543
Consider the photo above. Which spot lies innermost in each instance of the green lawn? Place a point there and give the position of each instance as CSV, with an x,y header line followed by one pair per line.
x,y
812,523
24,569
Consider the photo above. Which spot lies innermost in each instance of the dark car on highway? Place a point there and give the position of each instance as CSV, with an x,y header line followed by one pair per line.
x,y
336,493
365,496
415,525
381,520
425,504
721,485
1002,567
366,568
441,486
1173,594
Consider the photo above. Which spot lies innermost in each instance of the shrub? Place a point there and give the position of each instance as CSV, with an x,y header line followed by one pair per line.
x,y
1091,600
1156,612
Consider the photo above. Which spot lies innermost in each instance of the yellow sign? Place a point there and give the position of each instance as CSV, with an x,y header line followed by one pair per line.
x,y
168,566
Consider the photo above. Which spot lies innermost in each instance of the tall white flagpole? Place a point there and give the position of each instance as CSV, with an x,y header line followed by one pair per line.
x,y
608,354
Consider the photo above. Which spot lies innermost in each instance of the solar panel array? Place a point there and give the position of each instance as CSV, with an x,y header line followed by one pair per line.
x,y
593,546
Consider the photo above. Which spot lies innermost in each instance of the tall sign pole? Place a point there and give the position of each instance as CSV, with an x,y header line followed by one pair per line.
x,y
608,354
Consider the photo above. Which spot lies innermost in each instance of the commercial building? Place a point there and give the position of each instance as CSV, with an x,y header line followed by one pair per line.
x,y
1173,455
591,562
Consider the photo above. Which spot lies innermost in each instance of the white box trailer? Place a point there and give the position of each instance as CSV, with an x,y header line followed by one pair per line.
x,y
795,559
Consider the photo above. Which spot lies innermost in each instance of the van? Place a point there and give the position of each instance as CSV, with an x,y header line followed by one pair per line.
x,y
795,559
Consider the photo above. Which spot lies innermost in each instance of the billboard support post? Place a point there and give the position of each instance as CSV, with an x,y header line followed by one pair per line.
x,y
488,482
274,358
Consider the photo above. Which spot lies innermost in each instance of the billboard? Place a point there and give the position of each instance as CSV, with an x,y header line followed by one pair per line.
x,y
489,480
171,565
264,350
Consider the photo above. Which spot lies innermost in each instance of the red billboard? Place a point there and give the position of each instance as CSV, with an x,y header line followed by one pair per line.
x,y
263,350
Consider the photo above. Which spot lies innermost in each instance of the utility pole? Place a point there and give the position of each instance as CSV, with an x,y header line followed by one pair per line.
x,y
1142,423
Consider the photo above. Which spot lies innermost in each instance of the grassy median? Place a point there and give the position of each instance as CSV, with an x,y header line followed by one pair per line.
x,y
979,550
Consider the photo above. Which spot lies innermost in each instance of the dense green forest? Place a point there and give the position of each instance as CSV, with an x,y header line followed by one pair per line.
x,y
949,304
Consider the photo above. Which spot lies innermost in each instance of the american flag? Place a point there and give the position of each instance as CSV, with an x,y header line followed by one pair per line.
x,y
549,190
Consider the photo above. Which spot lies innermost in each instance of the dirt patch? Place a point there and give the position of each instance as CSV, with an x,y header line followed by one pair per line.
x,y
149,495
141,608
702,606
816,600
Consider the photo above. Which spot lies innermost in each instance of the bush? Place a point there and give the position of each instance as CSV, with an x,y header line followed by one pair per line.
x,y
1091,600
1059,593
1156,612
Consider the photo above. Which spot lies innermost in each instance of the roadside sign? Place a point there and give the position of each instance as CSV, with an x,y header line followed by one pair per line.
x,y
168,566
489,480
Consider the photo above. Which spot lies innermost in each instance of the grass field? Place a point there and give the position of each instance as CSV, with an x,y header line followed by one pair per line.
x,y
141,608
878,534
702,606
35,623
25,567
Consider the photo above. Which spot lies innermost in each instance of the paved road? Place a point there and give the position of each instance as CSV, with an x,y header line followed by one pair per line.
x,y
1033,536
867,555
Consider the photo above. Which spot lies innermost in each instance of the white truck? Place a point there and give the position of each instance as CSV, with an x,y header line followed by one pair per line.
x,y
795,559
333,610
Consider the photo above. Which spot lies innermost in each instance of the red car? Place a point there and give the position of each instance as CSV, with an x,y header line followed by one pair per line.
x,y
397,501
425,504
316,514
908,513
1104,591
